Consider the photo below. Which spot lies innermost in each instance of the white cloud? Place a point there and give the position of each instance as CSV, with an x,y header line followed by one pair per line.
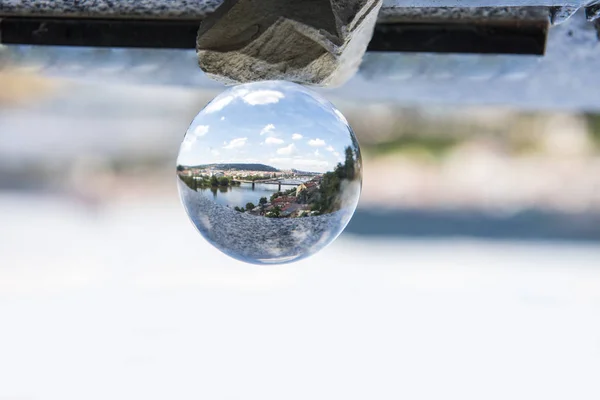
x,y
335,153
316,143
254,98
192,137
317,154
260,97
235,143
201,130
287,151
239,91
330,149
188,142
267,129
257,97
272,140
215,152
297,136
218,104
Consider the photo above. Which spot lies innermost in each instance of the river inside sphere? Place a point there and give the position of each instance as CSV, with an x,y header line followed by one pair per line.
x,y
269,172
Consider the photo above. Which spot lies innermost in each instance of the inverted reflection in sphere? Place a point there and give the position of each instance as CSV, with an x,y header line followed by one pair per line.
x,y
269,172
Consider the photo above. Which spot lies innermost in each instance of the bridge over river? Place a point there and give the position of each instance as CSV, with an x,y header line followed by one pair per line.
x,y
278,182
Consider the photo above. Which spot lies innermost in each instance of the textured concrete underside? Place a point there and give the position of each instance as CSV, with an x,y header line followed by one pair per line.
x,y
197,9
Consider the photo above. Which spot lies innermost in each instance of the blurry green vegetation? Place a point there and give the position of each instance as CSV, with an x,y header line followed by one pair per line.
x,y
189,181
213,181
515,133
433,146
593,121
203,182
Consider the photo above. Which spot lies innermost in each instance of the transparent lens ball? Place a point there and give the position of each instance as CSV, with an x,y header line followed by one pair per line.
x,y
269,172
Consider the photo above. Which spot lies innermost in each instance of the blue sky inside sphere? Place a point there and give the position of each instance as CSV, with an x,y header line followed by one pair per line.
x,y
279,124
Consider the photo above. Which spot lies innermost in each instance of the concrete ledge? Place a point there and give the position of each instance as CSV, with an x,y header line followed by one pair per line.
x,y
198,9
484,30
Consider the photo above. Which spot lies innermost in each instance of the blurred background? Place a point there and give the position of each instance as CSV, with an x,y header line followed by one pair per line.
x,y
470,270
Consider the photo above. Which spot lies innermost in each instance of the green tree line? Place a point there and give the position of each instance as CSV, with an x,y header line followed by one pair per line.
x,y
329,199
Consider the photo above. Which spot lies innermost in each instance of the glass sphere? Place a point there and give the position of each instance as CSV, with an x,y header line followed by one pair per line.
x,y
269,172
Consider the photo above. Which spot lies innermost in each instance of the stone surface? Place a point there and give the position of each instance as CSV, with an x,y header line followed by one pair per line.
x,y
110,9
464,14
317,42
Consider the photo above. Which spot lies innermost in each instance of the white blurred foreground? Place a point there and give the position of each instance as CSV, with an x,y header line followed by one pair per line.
x,y
129,302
